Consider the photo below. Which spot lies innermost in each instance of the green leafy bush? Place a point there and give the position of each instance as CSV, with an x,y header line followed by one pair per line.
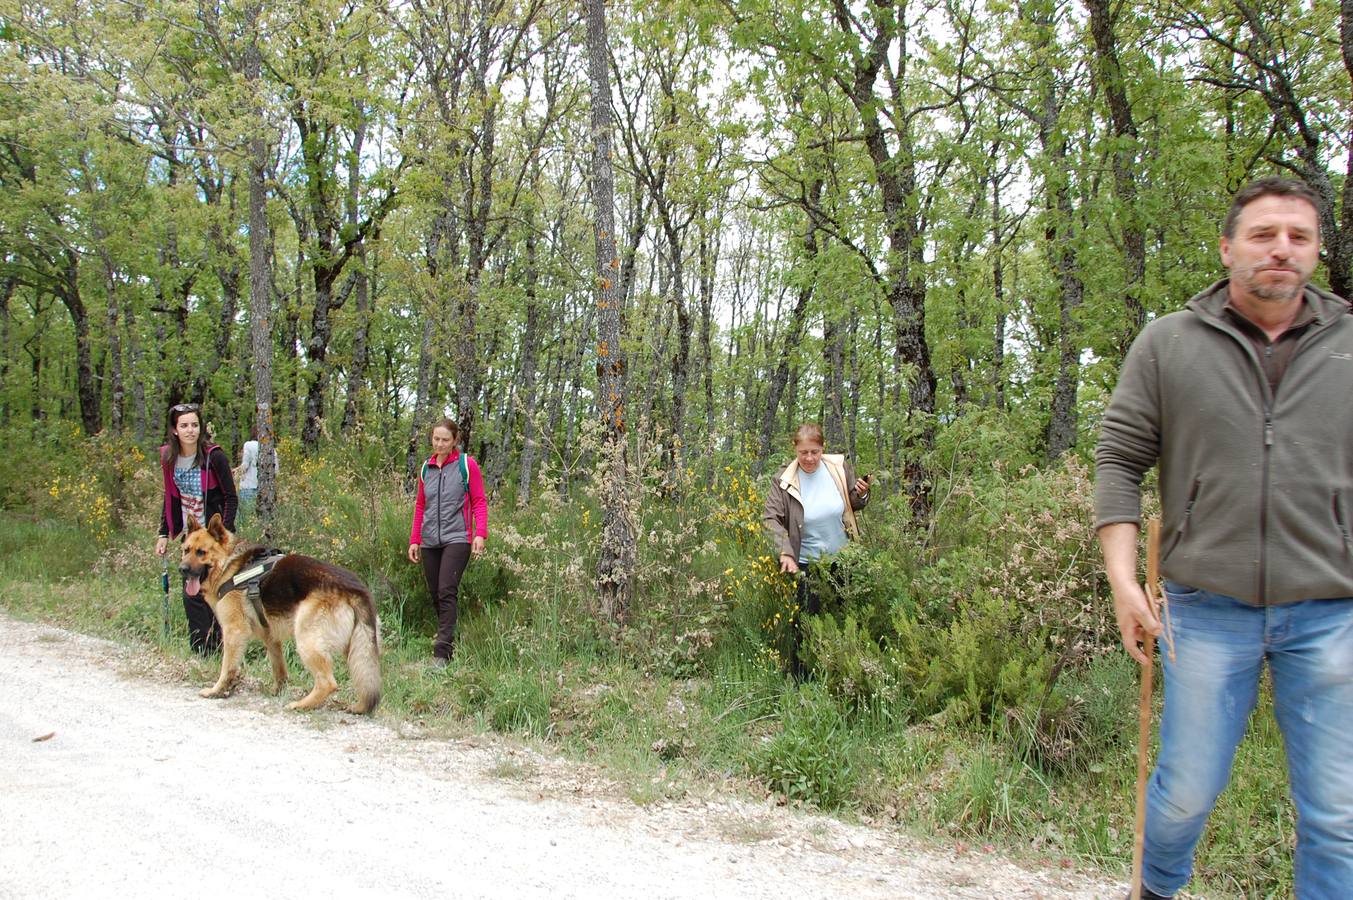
x,y
97,484
809,759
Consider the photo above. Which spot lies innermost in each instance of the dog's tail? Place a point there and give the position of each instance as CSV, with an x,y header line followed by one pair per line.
x,y
364,657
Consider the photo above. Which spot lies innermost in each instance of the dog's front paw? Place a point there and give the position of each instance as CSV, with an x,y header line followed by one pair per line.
x,y
213,693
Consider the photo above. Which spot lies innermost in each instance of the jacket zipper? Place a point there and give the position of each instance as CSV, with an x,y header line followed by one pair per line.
x,y
1339,520
1263,505
441,507
1269,398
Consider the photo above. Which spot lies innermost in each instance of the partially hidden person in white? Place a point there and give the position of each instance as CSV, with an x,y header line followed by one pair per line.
x,y
246,473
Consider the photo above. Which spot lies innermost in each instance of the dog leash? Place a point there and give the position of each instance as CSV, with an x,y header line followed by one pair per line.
x,y
164,600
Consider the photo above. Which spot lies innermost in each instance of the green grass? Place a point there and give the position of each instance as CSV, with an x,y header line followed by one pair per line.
x,y
531,664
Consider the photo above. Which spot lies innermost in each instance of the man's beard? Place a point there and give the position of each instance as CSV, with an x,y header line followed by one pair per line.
x,y
1272,291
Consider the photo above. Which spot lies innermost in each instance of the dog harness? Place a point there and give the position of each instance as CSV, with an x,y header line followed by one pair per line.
x,y
250,581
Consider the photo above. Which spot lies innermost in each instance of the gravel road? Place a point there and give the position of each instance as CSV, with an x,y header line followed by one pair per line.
x,y
117,780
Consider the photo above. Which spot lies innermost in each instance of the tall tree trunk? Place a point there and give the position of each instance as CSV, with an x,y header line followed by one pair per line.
x,y
682,357
6,293
653,313
834,386
1060,237
709,261
880,446
746,420
479,204
555,391
1341,243
33,346
418,421
616,560
853,424
442,259
1109,73
998,290
68,292
291,338
797,320
357,369
260,283
117,399
498,456
530,348
903,284
135,355
317,356
335,248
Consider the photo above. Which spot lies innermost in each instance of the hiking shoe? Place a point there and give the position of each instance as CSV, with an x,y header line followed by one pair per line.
x,y
439,663
1148,894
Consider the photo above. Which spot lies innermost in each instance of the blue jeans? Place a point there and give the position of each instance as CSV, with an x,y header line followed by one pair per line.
x,y
248,503
1221,645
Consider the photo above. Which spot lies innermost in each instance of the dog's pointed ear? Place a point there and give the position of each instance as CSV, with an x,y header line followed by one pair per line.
x,y
192,525
216,528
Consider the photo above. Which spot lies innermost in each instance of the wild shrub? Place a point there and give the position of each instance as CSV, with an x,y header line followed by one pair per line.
x,y
852,663
810,758
1026,537
977,625
971,668
98,484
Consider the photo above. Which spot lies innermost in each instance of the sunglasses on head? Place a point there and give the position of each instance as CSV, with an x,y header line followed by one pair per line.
x,y
185,407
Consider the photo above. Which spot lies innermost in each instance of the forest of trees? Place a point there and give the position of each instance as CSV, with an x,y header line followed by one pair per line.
x,y
343,216
628,246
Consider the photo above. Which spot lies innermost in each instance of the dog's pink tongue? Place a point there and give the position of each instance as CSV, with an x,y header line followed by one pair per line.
x,y
193,586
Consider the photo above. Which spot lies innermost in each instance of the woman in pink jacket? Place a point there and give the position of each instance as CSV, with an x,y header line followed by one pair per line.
x,y
450,522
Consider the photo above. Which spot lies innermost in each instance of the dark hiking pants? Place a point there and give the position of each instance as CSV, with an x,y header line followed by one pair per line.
x,y
808,599
443,566
204,633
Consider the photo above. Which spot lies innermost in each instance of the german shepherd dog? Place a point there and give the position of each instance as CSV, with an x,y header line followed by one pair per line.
x,y
326,608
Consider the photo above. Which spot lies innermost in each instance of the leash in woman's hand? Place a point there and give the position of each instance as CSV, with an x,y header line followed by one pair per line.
x,y
164,599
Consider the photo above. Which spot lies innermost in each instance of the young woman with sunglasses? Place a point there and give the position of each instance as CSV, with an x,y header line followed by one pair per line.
x,y
197,483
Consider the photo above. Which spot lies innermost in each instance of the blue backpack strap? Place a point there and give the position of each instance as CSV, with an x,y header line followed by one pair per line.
x,y
465,484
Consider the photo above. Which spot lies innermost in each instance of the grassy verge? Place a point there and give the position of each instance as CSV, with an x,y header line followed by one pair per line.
x,y
529,667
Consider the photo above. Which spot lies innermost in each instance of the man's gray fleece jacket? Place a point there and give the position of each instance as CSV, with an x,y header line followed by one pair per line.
x,y
1256,487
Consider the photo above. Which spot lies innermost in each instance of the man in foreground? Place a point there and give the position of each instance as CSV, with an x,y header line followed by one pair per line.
x,y
1245,398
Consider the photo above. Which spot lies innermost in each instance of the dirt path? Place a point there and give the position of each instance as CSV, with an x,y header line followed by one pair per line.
x,y
145,790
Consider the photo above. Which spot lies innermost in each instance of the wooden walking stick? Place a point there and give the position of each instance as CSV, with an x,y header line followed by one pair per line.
x,y
1144,706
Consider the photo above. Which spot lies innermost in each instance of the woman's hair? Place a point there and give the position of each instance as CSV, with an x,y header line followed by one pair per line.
x,y
171,448
809,431
450,425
